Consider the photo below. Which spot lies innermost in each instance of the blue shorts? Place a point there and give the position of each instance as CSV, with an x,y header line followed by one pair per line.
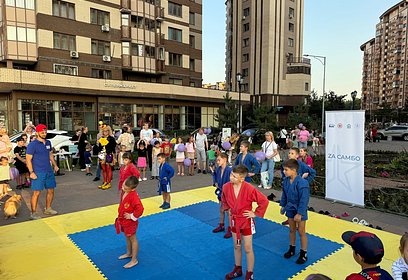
x,y
44,180
164,187
291,214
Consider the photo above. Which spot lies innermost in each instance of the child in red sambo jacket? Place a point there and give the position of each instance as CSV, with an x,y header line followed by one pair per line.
x,y
128,169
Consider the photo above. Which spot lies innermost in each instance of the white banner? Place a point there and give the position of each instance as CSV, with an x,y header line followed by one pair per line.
x,y
345,156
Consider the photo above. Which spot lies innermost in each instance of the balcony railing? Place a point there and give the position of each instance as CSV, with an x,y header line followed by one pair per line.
x,y
126,33
303,60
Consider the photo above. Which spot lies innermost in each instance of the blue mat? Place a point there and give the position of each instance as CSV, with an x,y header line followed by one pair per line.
x,y
179,244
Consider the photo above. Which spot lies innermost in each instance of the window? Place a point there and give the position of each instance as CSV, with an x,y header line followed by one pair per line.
x,y
245,42
246,12
192,84
150,24
21,34
101,74
66,69
192,64
175,34
245,57
175,9
125,48
28,4
291,42
125,19
64,42
291,27
150,51
100,47
192,41
175,59
192,18
63,9
291,12
245,72
137,50
306,86
246,27
99,17
175,81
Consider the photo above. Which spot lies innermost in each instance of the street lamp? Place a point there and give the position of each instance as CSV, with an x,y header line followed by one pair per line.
x,y
319,58
353,96
239,81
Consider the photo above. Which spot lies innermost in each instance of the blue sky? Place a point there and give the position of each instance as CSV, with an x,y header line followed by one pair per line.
x,y
335,29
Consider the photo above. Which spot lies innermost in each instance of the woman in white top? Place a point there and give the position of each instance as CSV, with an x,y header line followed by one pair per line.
x,y
146,134
270,148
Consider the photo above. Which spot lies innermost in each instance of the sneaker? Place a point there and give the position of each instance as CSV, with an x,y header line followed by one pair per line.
x,y
157,178
199,171
101,186
271,197
249,275
268,187
107,186
302,257
285,223
152,178
204,172
140,179
9,189
35,216
166,205
96,179
19,187
161,206
50,211
290,253
83,169
144,179
237,272
260,186
218,229
228,234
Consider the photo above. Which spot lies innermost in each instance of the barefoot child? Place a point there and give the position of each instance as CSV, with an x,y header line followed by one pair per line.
x,y
130,209
141,159
237,198
294,201
166,172
180,156
128,169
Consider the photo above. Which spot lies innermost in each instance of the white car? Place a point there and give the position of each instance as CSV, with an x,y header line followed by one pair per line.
x,y
58,138
398,131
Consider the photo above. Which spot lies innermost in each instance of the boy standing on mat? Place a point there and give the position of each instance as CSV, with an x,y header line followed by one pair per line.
x,y
294,201
129,211
237,197
221,176
166,172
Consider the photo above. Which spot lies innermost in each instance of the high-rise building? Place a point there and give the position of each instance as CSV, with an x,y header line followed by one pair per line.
x,y
72,63
264,44
384,79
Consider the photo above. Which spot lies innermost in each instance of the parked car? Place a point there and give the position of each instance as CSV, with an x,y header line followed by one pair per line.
x,y
58,138
136,133
397,131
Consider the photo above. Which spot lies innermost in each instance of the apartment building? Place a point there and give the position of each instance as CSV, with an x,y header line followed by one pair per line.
x,y
120,61
384,77
264,44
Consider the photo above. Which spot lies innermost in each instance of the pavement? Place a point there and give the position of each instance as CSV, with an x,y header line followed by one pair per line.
x,y
76,192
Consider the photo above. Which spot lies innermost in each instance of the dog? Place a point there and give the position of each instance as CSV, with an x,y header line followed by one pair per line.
x,y
11,206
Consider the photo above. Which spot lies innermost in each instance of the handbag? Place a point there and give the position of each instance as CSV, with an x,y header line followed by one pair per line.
x,y
109,158
277,158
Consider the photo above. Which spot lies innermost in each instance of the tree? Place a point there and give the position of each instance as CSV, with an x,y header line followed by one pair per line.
x,y
228,115
334,102
263,117
301,114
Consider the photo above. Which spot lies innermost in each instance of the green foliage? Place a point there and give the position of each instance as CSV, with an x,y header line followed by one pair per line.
x,y
300,114
228,115
264,117
399,164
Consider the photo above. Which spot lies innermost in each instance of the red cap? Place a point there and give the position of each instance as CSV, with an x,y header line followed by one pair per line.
x,y
40,127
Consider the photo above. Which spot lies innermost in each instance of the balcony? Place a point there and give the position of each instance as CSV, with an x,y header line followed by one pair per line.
x,y
126,33
159,39
159,14
159,66
126,61
125,6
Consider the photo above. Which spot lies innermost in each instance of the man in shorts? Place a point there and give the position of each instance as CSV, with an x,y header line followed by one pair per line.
x,y
38,156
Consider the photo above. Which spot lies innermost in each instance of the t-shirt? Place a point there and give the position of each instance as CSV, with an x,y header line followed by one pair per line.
x,y
142,153
211,155
146,135
87,155
283,133
21,151
190,147
4,172
375,273
166,148
269,147
200,141
41,155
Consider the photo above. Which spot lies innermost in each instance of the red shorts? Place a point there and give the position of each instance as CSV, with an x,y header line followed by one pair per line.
x,y
249,228
129,229
244,231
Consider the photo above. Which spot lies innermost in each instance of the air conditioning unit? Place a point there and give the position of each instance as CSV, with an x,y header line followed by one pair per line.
x,y
105,28
74,54
106,58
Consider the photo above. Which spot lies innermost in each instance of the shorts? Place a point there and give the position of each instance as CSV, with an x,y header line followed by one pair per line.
x,y
180,160
129,230
248,230
190,156
211,163
44,180
4,182
164,187
89,165
141,162
292,213
201,155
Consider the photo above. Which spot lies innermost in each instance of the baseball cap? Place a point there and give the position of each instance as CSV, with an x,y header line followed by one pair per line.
x,y
40,127
366,244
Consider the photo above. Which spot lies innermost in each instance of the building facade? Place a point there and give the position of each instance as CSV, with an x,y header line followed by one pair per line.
x,y
385,76
265,45
120,49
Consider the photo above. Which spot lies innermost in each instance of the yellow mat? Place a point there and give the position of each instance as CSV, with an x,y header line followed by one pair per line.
x,y
41,249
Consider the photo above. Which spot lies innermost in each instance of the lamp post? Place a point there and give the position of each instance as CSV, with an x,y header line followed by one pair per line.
x,y
239,81
353,96
319,58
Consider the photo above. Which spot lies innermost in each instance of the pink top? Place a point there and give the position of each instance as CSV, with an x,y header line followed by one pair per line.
x,y
304,135
190,147
308,161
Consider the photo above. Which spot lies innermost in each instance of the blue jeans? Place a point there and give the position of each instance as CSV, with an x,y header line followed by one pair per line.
x,y
269,164
302,145
98,170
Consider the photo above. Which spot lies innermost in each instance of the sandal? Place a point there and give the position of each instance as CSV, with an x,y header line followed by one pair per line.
x,y
182,174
